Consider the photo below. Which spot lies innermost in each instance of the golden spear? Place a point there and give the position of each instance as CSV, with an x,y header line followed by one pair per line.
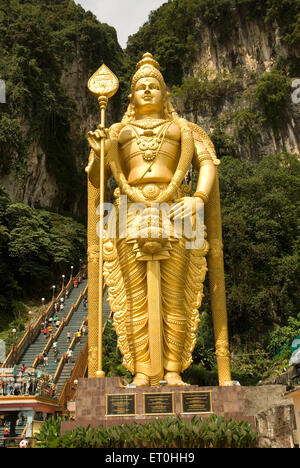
x,y
103,84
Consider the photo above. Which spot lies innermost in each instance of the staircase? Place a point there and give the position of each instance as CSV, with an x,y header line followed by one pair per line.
x,y
19,430
73,326
76,320
68,366
40,342
78,348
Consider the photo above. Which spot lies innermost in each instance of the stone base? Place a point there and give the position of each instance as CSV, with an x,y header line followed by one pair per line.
x,y
91,403
266,407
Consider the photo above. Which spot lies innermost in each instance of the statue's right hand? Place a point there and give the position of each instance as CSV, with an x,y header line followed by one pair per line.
x,y
94,139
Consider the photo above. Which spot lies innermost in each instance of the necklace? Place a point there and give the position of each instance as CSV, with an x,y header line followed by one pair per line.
x,y
149,143
148,123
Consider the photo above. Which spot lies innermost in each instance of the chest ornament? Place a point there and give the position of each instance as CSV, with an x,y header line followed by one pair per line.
x,y
149,142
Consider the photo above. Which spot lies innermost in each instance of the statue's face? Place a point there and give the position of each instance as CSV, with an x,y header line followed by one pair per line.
x,y
148,96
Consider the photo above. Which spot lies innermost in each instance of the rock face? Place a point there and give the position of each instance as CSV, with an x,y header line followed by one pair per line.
x,y
251,49
48,109
277,427
41,188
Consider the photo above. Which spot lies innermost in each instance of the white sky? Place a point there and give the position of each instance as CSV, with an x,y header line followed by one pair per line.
x,y
126,16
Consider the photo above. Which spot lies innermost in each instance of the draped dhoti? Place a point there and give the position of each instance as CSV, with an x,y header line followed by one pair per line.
x,y
178,275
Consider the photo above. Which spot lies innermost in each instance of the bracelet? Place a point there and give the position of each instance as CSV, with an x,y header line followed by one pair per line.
x,y
204,157
201,195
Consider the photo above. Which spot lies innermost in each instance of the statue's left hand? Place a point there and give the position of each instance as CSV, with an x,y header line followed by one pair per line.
x,y
186,210
185,207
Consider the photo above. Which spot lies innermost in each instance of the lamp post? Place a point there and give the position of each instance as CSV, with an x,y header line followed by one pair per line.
x,y
72,269
13,346
63,281
43,305
29,325
53,292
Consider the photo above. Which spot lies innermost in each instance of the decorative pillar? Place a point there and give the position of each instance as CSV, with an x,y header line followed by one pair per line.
x,y
93,279
217,284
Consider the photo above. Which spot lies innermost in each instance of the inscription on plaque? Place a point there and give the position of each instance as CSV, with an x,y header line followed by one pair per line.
x,y
158,403
196,402
120,404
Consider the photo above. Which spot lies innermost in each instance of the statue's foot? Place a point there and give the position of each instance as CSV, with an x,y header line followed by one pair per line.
x,y
141,380
173,378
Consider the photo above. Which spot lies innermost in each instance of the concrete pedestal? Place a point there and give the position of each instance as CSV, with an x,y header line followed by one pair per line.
x,y
95,395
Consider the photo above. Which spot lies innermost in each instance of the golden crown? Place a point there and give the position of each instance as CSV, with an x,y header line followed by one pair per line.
x,y
148,66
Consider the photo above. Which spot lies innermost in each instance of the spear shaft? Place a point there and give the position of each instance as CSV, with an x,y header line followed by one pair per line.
x,y
103,104
103,84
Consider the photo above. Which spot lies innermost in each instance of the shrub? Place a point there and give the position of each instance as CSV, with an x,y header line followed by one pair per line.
x,y
224,144
272,93
200,93
49,435
169,432
247,123
281,336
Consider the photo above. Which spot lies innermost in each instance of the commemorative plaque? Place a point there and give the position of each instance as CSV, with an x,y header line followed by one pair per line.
x,y
120,404
196,402
158,403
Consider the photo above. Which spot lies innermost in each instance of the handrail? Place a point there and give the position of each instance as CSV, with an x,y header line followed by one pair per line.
x,y
63,323
24,431
68,391
31,333
64,356
79,370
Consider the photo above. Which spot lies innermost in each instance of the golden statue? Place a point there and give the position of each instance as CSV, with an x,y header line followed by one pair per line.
x,y
155,283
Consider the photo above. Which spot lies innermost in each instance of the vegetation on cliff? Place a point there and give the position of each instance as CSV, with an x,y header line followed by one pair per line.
x,y
245,103
36,248
172,32
39,42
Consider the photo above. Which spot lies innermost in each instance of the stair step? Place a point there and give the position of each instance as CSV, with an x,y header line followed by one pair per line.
x,y
62,342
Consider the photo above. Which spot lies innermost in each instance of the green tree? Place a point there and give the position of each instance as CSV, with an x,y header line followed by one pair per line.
x,y
260,205
272,93
36,247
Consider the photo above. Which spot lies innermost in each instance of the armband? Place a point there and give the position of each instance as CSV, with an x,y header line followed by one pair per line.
x,y
201,194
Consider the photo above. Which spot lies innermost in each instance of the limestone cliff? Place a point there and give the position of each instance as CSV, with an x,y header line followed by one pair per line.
x,y
252,49
230,65
49,51
38,186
